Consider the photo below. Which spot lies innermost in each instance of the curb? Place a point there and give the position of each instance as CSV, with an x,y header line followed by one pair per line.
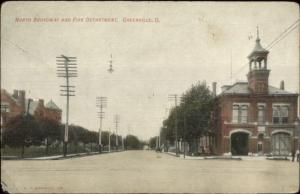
x,y
278,158
58,157
222,158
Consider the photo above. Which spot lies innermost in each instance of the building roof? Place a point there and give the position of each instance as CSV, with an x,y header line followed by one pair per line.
x,y
52,105
258,49
243,88
8,94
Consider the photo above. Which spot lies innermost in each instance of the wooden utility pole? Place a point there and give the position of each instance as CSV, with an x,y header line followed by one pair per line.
x,y
109,140
184,126
101,103
175,98
117,121
66,68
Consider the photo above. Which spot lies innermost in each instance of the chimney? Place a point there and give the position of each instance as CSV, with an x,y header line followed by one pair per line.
x,y
41,102
282,85
21,98
214,88
15,94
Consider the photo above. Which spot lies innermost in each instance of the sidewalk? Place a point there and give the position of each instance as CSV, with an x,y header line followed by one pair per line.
x,y
288,158
204,157
57,157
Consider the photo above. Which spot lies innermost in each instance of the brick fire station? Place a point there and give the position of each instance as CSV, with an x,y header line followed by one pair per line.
x,y
255,117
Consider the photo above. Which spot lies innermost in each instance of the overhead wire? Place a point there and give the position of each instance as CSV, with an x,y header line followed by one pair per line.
x,y
280,37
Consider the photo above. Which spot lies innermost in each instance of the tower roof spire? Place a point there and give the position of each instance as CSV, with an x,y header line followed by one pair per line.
x,y
257,34
258,49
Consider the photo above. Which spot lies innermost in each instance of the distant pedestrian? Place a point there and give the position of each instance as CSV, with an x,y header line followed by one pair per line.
x,y
298,155
293,155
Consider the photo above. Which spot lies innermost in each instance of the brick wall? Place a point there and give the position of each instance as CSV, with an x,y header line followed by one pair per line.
x,y
225,125
16,104
14,107
44,112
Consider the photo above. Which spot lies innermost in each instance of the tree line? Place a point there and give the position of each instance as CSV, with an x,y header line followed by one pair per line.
x,y
194,116
26,130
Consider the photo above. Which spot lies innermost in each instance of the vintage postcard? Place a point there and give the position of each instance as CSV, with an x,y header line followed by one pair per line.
x,y
149,97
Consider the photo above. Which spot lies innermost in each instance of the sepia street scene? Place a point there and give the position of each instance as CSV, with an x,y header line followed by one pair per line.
x,y
150,97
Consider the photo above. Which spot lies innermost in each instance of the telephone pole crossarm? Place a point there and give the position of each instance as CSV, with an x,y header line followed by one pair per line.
x,y
66,68
101,102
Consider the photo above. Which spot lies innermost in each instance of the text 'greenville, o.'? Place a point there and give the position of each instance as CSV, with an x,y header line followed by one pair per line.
x,y
87,20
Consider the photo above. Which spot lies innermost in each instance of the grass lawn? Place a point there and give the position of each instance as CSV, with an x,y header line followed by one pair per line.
x,y
39,151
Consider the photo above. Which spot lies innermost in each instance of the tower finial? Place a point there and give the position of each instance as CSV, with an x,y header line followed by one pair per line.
x,y
257,33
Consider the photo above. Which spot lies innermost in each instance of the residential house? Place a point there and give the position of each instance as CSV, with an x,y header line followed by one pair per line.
x,y
16,104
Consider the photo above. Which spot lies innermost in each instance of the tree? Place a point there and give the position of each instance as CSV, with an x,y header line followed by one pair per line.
x,y
85,138
50,130
21,131
104,137
132,142
93,138
152,142
193,115
196,108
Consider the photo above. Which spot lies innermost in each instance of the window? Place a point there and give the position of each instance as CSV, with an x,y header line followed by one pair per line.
x,y
280,114
261,114
244,114
240,113
4,107
235,114
284,114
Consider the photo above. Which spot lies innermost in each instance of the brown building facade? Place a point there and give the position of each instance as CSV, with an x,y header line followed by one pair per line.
x,y
16,104
254,117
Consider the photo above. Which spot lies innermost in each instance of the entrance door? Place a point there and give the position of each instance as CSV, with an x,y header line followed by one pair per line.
x,y
239,143
281,144
260,140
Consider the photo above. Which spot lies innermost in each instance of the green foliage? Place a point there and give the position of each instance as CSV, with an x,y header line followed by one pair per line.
x,y
132,142
22,131
193,115
49,129
29,131
152,142
104,138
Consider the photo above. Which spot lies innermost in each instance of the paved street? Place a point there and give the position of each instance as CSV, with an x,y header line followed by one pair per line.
x,y
147,171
